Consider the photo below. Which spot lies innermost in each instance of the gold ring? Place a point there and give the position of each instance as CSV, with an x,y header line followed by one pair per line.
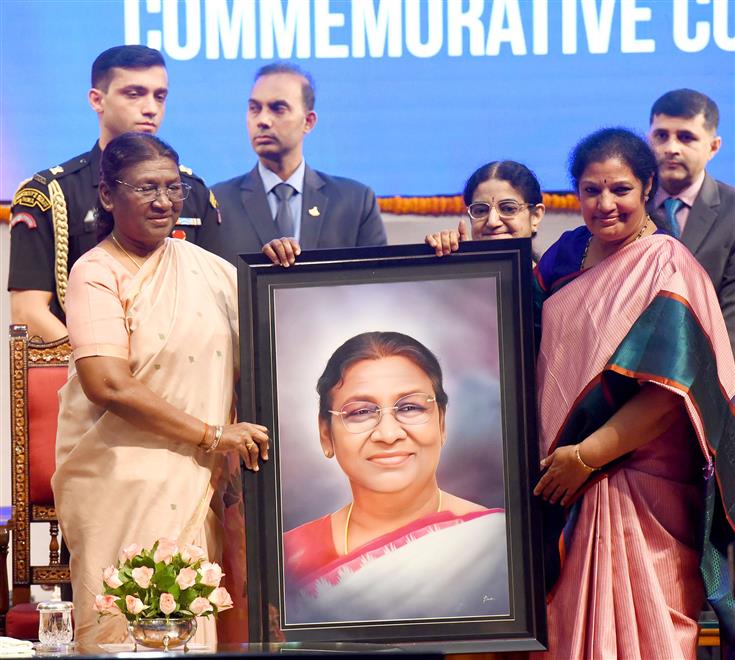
x,y
249,444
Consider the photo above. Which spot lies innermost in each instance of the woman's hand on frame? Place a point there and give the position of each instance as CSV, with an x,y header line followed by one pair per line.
x,y
249,440
447,241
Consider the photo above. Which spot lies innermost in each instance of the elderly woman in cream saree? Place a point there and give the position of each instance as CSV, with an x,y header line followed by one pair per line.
x,y
144,448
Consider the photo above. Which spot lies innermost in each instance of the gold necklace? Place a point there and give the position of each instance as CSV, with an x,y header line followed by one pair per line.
x,y
125,252
349,515
587,247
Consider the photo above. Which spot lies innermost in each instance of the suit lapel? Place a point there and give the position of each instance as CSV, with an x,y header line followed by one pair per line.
x,y
255,205
313,209
702,215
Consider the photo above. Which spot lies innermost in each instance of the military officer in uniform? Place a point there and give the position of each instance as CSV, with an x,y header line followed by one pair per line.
x,y
53,218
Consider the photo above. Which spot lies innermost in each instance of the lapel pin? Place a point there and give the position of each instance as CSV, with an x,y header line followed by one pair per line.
x,y
314,212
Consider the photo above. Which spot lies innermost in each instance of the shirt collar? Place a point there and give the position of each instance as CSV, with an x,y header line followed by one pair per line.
x,y
688,195
271,179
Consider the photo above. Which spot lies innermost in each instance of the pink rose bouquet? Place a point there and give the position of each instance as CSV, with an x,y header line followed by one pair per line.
x,y
162,582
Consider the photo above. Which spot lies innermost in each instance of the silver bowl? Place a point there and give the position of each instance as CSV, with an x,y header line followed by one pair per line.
x,y
162,633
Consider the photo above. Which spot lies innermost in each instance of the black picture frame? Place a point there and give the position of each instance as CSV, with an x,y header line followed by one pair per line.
x,y
284,313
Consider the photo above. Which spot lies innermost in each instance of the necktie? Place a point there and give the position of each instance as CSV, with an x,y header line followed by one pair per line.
x,y
671,206
284,217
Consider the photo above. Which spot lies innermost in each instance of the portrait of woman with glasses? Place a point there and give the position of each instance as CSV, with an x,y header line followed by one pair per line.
x,y
403,547
503,200
145,448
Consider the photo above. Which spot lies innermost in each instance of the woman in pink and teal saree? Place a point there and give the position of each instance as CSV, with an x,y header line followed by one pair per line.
x,y
635,380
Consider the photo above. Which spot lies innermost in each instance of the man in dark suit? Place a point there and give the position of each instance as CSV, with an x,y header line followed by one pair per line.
x,y
282,205
689,202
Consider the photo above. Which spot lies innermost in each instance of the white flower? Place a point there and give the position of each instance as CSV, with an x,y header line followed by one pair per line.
x,y
111,576
211,574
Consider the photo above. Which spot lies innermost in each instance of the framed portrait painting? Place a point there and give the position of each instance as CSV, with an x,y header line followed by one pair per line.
x,y
396,503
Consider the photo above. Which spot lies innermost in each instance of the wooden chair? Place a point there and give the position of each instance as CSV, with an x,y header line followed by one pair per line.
x,y
37,371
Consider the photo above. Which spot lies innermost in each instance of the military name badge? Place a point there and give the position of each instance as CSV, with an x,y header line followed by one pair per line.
x,y
31,197
25,218
189,222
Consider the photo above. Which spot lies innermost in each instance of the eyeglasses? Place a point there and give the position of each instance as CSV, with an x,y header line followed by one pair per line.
x,y
363,416
506,208
176,192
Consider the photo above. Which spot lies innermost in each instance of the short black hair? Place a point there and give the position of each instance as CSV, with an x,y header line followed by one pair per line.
x,y
619,143
687,103
516,174
308,88
123,57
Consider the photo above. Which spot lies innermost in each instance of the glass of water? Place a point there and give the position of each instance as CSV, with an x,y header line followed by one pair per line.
x,y
54,623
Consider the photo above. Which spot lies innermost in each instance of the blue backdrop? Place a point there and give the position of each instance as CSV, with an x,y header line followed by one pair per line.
x,y
412,95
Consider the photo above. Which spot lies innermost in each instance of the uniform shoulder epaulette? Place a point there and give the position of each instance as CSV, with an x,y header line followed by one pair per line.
x,y
59,171
34,191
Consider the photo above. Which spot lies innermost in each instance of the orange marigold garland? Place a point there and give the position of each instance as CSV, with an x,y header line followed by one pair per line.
x,y
454,204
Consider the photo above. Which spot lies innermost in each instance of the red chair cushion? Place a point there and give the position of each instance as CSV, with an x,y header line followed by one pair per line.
x,y
21,621
43,411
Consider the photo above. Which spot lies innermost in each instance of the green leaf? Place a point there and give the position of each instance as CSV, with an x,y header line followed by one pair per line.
x,y
205,590
164,577
187,597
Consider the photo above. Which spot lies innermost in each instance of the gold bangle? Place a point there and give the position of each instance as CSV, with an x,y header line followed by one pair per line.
x,y
217,437
204,443
589,468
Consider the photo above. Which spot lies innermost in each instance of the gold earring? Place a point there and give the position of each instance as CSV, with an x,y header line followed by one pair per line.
x,y
328,453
